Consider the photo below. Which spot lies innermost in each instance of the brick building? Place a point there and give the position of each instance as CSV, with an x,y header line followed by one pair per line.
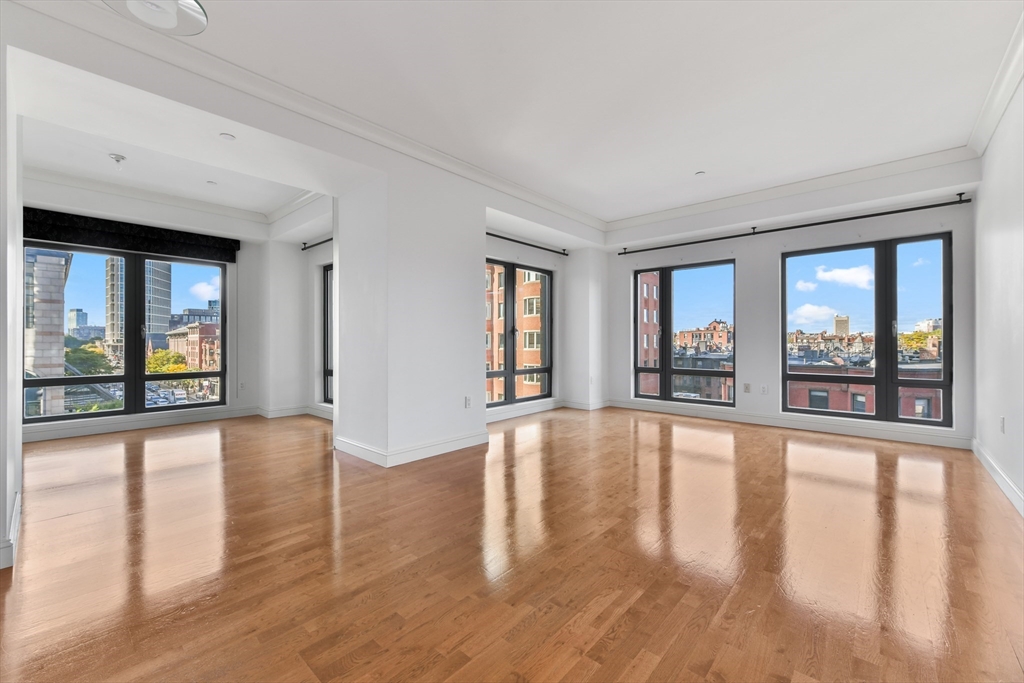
x,y
648,333
199,343
531,342
717,336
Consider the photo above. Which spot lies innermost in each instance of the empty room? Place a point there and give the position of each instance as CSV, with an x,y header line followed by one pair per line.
x,y
511,341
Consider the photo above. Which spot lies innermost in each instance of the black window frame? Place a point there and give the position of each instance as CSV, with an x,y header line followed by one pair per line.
x,y
509,372
326,322
886,381
666,371
134,375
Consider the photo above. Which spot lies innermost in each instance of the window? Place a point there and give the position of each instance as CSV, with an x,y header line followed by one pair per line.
x,y
523,365
328,336
698,310
869,327
116,332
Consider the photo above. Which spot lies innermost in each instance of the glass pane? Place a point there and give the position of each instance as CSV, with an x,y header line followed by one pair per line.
x,y
494,282
178,391
703,327
495,389
531,385
329,320
839,398
649,384
74,313
182,317
703,388
648,327
70,399
920,403
919,305
830,312
532,348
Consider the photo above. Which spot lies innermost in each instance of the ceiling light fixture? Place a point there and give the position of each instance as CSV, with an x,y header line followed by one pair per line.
x,y
211,182
173,17
699,173
118,158
227,136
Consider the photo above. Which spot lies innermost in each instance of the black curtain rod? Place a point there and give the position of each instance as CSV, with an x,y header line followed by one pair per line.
x,y
753,230
527,244
317,244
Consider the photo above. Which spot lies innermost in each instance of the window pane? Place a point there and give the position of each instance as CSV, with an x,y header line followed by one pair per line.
x,y
495,323
534,384
840,398
70,297
178,391
495,389
919,305
921,403
648,331
532,348
830,312
182,317
702,387
702,318
70,399
649,384
329,320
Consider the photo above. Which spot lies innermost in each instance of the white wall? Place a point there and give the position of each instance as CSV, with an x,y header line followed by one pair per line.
x,y
999,323
284,363
758,321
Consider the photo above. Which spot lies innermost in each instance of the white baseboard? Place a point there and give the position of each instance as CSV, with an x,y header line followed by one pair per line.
x,y
282,412
324,410
933,436
1015,495
400,456
580,405
121,423
9,545
520,409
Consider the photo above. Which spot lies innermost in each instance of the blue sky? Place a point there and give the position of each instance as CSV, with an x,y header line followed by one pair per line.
x,y
820,286
700,295
86,288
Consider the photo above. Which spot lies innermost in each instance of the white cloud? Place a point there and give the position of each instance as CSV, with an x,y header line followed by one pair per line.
x,y
805,286
921,262
809,314
206,291
861,277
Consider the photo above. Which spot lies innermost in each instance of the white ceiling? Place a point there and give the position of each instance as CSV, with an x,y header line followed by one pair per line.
x,y
76,154
611,108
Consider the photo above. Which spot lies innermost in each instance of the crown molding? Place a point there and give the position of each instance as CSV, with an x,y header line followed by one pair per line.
x,y
95,17
294,204
56,178
859,175
1009,75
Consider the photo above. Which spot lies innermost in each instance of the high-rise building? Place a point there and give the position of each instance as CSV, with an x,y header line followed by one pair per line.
x,y
158,297
46,272
158,304
113,339
77,318
842,326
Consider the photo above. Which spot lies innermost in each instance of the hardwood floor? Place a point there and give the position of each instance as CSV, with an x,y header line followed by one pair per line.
x,y
606,546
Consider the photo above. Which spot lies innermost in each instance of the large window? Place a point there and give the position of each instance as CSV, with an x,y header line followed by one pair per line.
x,y
110,332
519,371
328,336
868,330
693,359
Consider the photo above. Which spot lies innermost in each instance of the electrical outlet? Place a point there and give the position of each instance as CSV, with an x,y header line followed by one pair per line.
x,y
469,402
241,385
746,387
1002,424
764,389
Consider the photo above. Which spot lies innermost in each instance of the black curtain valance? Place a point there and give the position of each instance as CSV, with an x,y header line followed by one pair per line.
x,y
68,228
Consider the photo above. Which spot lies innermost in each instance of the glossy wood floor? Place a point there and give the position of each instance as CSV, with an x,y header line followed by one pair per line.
x,y
606,546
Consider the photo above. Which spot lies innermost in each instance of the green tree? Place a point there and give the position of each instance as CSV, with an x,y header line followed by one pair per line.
x,y
72,343
88,360
163,361
915,341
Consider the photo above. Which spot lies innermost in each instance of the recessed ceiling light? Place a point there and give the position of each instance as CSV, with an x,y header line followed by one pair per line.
x,y
118,158
211,182
699,173
227,136
173,17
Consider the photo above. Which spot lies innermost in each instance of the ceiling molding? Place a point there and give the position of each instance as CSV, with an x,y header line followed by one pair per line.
x,y
293,204
1009,75
820,183
96,18
144,195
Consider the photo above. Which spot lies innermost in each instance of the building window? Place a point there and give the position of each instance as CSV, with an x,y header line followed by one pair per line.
x,y
84,353
701,368
521,370
328,330
870,325
818,399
